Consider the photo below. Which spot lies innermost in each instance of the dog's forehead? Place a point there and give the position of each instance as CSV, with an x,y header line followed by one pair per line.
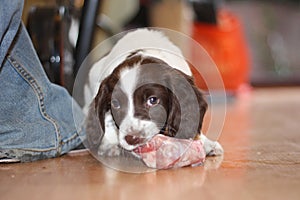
x,y
128,80
153,71
137,71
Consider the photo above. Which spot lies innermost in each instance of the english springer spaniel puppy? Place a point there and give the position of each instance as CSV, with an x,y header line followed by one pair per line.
x,y
146,88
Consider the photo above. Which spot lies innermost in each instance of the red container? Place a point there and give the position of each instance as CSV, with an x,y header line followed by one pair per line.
x,y
226,45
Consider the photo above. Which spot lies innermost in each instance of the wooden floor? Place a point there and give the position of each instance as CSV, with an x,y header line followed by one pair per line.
x,y
261,138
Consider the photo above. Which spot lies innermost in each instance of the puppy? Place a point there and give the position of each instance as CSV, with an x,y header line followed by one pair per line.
x,y
146,88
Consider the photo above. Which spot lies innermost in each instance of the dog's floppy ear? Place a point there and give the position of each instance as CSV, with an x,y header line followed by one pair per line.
x,y
102,102
95,126
202,106
185,107
94,132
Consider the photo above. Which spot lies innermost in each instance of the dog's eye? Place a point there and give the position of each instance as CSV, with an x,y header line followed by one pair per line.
x,y
152,101
115,104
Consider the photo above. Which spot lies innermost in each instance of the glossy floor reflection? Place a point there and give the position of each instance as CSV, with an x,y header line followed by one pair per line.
x,y
261,161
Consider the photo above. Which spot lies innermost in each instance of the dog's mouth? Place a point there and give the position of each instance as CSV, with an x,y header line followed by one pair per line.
x,y
134,140
138,143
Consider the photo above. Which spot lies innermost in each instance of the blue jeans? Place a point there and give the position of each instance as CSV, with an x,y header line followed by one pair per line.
x,y
36,116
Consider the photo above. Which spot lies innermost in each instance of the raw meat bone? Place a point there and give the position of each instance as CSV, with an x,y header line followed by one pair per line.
x,y
163,152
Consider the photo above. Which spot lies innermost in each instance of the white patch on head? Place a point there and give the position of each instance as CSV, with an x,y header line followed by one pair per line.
x,y
130,124
128,83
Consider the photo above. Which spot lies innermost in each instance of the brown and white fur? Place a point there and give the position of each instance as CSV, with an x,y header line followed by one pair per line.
x,y
134,99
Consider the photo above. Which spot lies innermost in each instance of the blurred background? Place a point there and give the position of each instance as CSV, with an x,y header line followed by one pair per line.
x,y
253,43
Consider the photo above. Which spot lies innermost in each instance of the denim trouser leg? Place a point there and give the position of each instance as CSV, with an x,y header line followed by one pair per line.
x,y
36,116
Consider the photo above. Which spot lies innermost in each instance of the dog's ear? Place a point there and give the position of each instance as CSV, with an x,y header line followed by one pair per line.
x,y
202,106
102,102
94,132
94,124
187,106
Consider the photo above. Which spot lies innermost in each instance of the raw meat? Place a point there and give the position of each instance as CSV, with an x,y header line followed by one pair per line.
x,y
163,152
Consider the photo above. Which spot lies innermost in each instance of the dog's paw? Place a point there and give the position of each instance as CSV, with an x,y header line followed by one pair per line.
x,y
109,150
213,149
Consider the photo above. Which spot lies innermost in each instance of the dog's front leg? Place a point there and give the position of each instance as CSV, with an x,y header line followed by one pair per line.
x,y
109,145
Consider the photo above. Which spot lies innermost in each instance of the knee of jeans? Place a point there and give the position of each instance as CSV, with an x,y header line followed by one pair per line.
x,y
38,121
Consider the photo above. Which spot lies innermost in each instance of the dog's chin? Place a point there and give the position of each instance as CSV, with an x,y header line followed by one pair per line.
x,y
127,146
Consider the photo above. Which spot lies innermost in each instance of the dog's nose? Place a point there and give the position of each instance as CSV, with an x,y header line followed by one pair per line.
x,y
133,139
